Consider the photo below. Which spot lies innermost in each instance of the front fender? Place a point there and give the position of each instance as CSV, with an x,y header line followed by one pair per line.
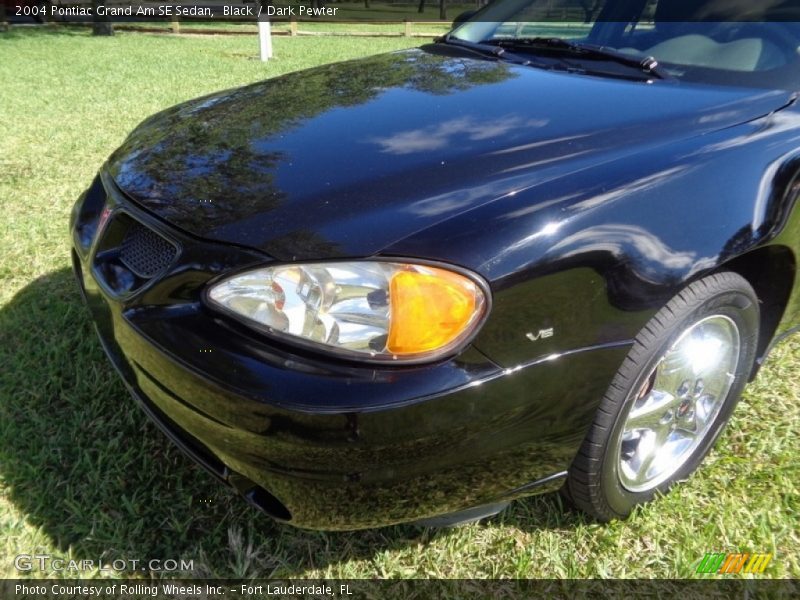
x,y
587,258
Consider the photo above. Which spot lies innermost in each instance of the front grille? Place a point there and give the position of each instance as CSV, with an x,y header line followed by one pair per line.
x,y
145,252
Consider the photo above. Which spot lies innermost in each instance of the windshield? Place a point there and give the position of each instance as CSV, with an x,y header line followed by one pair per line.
x,y
752,43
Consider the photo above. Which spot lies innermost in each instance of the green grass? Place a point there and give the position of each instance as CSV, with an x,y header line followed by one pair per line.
x,y
83,474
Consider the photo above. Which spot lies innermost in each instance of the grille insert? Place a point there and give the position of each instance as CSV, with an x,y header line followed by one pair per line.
x,y
145,252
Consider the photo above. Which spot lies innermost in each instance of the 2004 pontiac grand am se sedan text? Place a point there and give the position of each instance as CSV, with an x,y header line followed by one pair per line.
x,y
417,286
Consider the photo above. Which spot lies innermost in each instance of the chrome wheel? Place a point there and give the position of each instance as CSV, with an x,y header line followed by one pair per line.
x,y
678,403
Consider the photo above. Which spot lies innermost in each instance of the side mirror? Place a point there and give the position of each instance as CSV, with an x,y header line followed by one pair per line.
x,y
463,17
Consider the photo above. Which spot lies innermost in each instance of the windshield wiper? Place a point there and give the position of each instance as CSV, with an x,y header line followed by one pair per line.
x,y
488,49
648,65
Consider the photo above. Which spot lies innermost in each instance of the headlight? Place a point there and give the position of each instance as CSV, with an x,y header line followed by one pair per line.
x,y
365,309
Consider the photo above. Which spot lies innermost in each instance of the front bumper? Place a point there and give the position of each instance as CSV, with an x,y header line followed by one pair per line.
x,y
324,444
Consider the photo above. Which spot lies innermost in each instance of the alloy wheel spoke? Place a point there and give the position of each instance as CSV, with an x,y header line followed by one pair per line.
x,y
648,412
672,373
648,452
689,424
716,384
679,441
704,410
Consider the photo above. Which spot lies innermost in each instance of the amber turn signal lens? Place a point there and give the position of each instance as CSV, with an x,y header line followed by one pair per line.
x,y
431,309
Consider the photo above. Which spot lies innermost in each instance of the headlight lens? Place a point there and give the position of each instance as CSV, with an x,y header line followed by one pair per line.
x,y
368,309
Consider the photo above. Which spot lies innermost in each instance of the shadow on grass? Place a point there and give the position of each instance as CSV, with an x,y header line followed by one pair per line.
x,y
85,467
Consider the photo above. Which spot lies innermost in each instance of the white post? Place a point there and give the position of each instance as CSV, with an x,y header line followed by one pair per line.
x,y
265,39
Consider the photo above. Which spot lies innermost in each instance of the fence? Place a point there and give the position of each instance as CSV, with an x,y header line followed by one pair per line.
x,y
405,28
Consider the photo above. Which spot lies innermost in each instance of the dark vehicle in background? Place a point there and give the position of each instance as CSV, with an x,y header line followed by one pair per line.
x,y
530,256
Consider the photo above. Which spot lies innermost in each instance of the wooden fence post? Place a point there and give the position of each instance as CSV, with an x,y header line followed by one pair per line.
x,y
407,28
176,25
293,28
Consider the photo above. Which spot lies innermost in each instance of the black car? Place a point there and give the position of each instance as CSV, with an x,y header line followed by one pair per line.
x,y
414,287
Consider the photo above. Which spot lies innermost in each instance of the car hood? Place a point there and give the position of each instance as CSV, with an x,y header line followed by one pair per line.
x,y
345,159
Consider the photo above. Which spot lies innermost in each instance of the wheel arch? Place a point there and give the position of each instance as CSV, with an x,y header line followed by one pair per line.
x,y
771,271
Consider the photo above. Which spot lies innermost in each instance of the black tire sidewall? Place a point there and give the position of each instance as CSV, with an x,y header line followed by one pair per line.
x,y
740,305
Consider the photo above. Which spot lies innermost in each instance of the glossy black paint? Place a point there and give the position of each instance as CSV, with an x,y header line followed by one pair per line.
x,y
585,203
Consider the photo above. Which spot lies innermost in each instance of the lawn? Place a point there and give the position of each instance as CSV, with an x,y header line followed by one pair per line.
x,y
83,474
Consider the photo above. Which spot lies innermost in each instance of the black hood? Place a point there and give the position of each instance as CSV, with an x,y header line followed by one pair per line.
x,y
345,159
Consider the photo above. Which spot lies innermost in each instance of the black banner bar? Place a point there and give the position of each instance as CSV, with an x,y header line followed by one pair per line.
x,y
422,589
375,11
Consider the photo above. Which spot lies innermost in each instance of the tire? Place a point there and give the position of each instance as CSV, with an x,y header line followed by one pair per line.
x,y
684,362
